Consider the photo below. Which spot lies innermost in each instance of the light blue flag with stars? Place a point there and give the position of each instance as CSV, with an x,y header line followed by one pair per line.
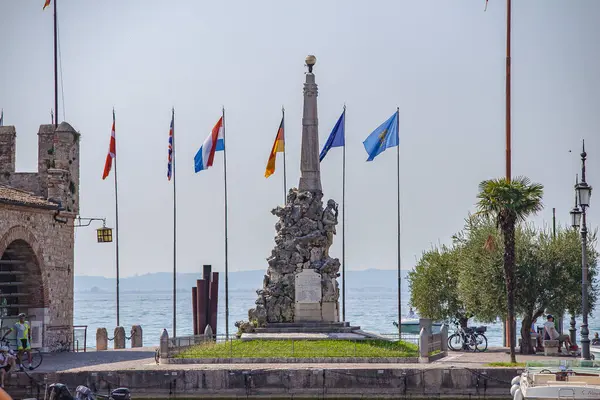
x,y
386,135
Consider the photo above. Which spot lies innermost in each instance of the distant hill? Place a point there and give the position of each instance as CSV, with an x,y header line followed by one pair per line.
x,y
239,280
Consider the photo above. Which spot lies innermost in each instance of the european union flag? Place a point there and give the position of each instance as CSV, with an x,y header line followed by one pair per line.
x,y
386,135
336,137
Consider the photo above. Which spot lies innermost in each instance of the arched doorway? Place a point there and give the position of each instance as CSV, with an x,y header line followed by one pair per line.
x,y
21,287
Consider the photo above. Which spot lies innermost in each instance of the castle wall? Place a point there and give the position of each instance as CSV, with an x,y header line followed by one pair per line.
x,y
52,243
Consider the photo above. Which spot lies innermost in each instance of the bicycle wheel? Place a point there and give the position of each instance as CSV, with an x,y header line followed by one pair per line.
x,y
471,342
481,343
455,342
36,358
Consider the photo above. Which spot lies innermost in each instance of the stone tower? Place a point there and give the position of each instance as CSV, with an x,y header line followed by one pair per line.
x,y
37,211
301,280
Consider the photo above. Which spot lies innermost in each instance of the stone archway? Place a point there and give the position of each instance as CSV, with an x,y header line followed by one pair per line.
x,y
22,281
21,285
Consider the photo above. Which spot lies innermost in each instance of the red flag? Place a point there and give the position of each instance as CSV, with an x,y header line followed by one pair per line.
x,y
112,150
46,4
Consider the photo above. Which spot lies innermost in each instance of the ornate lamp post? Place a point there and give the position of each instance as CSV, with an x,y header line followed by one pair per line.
x,y
584,192
575,223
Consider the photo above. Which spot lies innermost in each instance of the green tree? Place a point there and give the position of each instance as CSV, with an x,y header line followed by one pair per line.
x,y
509,202
434,285
481,283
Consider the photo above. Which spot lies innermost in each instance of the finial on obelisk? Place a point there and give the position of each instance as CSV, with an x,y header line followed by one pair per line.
x,y
310,171
310,62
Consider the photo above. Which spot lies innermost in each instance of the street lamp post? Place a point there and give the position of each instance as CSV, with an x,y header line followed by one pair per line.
x,y
584,192
575,223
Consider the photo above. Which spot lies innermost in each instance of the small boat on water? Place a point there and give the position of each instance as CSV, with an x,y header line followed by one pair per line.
x,y
564,379
410,324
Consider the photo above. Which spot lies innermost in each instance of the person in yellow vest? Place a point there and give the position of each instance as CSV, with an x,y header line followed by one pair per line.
x,y
23,330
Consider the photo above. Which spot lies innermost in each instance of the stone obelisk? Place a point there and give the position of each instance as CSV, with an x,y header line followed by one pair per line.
x,y
301,280
310,171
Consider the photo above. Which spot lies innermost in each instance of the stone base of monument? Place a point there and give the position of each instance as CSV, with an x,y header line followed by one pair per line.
x,y
310,331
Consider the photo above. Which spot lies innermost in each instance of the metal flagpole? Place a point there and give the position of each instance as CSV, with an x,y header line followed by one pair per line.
x,y
508,62
284,171
116,217
344,221
56,71
398,177
226,252
174,228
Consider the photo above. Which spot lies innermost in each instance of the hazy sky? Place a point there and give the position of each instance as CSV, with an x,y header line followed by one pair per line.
x,y
441,62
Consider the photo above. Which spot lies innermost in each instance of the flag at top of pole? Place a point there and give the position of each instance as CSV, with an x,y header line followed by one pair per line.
x,y
214,142
46,4
112,150
170,156
336,137
386,135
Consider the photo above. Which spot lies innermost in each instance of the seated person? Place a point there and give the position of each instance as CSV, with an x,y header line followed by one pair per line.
x,y
552,334
7,361
596,340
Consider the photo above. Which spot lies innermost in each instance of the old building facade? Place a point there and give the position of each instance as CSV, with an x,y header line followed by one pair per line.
x,y
37,212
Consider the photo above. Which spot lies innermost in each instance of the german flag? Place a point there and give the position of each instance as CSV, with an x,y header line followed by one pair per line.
x,y
278,147
46,4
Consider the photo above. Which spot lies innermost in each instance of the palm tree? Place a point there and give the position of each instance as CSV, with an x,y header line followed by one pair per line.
x,y
509,202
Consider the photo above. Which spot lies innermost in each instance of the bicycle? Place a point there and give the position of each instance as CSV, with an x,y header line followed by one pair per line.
x,y
36,354
471,339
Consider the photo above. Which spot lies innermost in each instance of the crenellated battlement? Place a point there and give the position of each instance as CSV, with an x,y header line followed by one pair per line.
x,y
57,178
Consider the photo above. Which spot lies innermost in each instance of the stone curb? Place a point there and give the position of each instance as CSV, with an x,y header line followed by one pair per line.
x,y
281,360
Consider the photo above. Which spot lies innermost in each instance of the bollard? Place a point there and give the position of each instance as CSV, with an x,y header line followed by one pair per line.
x,y
423,343
101,339
444,338
119,340
136,336
208,333
164,345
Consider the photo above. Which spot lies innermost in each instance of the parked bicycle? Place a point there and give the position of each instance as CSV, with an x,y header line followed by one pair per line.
x,y
58,391
36,354
469,339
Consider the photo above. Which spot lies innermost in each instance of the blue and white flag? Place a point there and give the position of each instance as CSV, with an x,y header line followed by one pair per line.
x,y
336,137
386,135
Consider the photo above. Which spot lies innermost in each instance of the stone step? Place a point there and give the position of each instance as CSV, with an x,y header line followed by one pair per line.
x,y
306,324
309,329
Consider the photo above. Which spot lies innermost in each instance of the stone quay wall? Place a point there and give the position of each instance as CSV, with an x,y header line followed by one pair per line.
x,y
297,382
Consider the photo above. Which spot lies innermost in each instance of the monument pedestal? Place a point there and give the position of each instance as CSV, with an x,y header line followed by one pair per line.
x,y
309,306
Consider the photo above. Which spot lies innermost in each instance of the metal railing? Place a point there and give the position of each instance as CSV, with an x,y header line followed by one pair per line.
x,y
221,347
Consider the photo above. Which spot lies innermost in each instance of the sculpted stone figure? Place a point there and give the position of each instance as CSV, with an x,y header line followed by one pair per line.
x,y
330,220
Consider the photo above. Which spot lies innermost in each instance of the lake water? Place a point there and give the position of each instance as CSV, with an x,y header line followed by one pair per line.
x,y
374,308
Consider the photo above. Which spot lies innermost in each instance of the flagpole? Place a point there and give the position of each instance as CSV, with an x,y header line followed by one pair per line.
x,y
174,228
56,70
116,218
398,181
508,122
508,64
284,171
226,250
344,221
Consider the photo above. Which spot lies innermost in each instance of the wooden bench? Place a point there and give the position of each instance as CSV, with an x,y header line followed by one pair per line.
x,y
551,347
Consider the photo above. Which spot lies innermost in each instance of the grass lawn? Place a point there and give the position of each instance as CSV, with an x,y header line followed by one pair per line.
x,y
301,349
506,364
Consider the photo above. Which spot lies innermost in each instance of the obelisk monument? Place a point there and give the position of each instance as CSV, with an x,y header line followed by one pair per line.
x,y
310,178
301,280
